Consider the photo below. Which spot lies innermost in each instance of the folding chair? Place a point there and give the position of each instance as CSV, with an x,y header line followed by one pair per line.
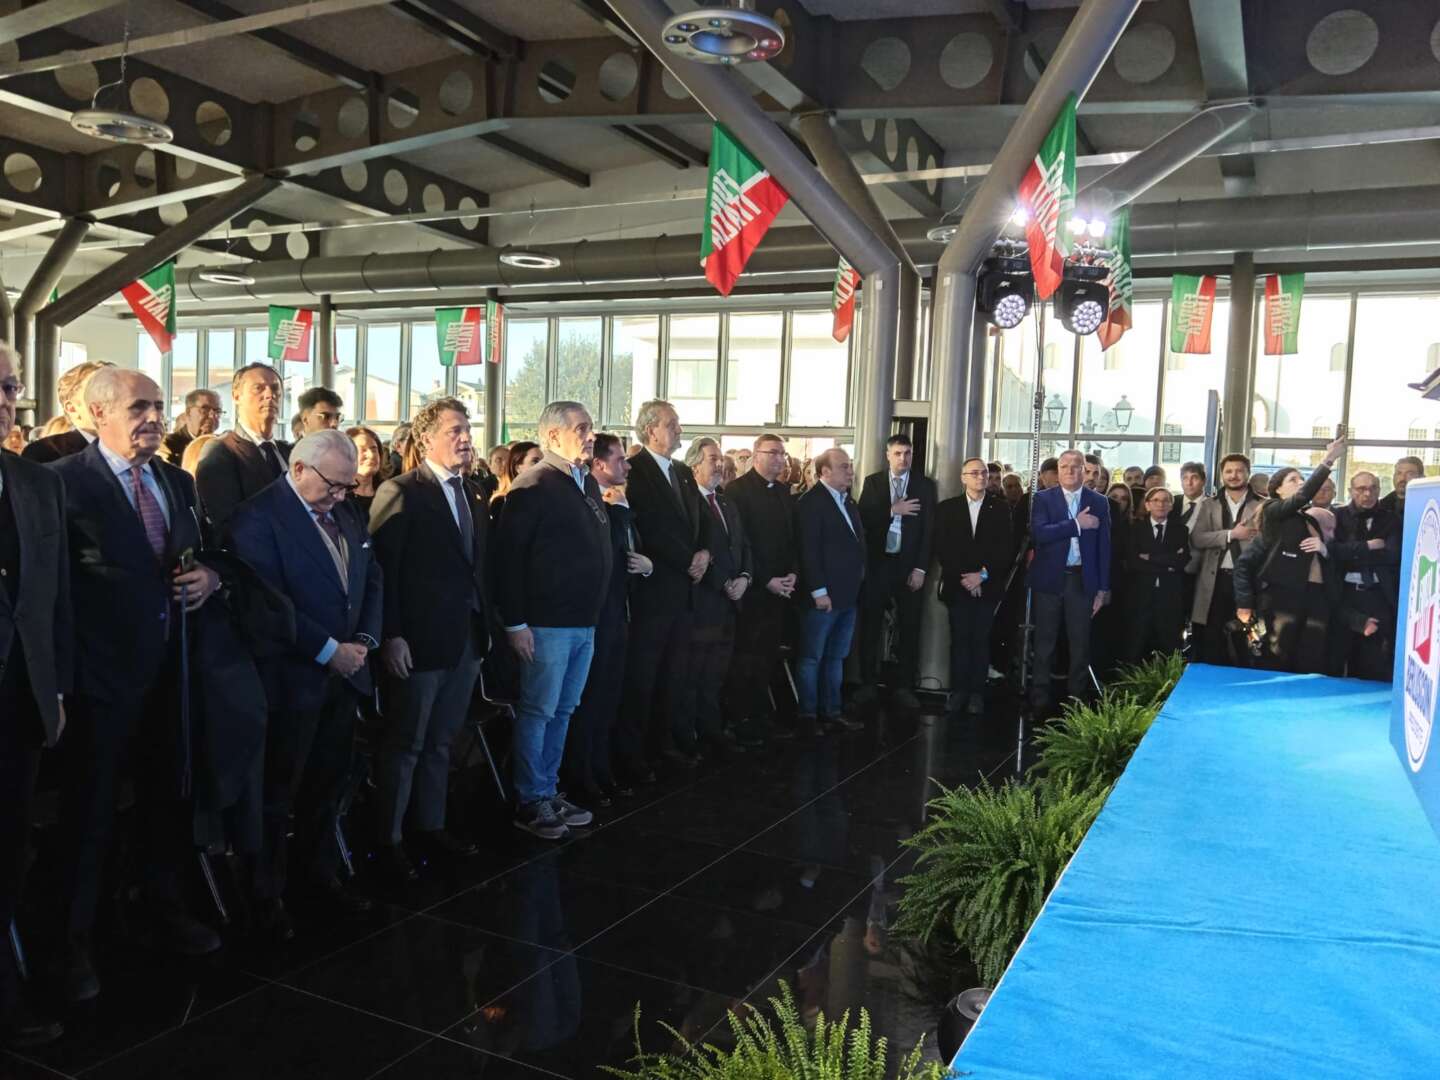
x,y
497,706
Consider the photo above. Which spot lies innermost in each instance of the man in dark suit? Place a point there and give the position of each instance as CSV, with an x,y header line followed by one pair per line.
x,y
133,532
554,571
898,509
1192,494
294,536
718,595
430,527
1407,468
1156,552
1366,555
832,570
36,665
202,417
975,546
767,514
666,502
1070,574
71,391
249,458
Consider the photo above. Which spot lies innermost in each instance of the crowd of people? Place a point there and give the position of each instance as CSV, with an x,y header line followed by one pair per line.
x,y
212,615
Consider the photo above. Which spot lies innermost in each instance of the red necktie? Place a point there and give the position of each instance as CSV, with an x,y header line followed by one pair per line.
x,y
151,516
714,505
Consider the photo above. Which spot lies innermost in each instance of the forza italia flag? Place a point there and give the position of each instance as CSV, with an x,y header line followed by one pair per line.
x,y
152,298
842,299
290,330
1119,317
458,331
741,201
495,330
1047,199
1192,303
1283,293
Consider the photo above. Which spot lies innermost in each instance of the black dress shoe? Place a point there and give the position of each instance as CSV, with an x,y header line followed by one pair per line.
x,y
446,844
272,922
679,758
595,795
394,866
77,979
172,929
23,1030
335,899
841,723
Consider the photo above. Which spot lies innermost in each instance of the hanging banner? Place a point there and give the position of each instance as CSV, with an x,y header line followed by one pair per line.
x,y
290,333
842,299
742,200
495,331
1283,293
152,298
1047,198
1122,286
1192,303
458,334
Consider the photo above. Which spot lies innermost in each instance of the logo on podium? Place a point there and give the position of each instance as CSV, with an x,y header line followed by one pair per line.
x,y
1422,651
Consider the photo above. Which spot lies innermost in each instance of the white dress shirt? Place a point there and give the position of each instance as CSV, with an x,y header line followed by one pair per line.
x,y
664,463
121,468
975,505
444,475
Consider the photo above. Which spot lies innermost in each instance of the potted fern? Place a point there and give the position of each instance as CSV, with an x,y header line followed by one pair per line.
x,y
782,1049
1092,742
1150,681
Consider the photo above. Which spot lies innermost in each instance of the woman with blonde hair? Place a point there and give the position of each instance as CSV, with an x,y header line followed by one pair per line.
x,y
190,459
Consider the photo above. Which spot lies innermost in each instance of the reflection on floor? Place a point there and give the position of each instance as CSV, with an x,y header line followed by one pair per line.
x,y
701,892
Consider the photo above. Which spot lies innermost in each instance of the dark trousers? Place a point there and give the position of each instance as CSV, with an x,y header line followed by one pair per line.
x,y
886,582
100,739
970,624
1153,619
712,643
655,673
592,725
1298,619
308,753
1354,654
20,741
1072,609
759,633
1219,645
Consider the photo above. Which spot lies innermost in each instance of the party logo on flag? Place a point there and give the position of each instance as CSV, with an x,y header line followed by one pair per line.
x,y
742,200
1283,293
842,299
1192,304
495,330
152,298
458,331
1122,285
1047,198
290,333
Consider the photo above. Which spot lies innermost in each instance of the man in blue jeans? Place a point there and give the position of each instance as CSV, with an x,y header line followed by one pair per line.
x,y
832,568
554,561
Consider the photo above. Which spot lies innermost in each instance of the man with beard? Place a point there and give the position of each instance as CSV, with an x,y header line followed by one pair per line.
x,y
1406,469
1222,530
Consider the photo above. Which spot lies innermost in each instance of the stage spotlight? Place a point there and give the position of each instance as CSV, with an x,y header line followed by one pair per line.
x,y
1083,297
1005,289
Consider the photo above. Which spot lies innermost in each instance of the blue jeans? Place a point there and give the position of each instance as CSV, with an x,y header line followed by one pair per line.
x,y
550,688
824,645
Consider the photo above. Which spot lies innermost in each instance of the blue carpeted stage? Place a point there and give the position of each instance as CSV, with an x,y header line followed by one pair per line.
x,y
1259,898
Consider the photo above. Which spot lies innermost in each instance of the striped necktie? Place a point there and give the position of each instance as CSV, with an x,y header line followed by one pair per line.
x,y
151,516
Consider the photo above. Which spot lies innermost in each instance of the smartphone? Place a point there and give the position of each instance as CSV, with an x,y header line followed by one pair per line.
x,y
187,560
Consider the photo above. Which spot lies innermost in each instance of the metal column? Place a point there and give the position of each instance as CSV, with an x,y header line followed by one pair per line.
x,y
7,318
37,290
494,403
1239,355
325,347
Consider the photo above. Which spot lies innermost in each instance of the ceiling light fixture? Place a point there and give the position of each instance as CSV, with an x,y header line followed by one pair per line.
x,y
116,125
730,34
942,234
225,277
526,259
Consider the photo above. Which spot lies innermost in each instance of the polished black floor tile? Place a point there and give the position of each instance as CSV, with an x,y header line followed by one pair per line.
x,y
425,972
807,894
713,948
715,817
824,834
272,1034
442,1059
629,855
316,936
14,1067
545,905
579,1014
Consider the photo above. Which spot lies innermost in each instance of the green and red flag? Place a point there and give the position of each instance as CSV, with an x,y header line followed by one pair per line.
x,y
152,298
1047,198
1192,304
842,299
742,201
1283,293
1122,286
495,331
458,331
290,330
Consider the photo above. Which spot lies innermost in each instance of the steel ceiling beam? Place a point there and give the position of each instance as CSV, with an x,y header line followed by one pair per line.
x,y
656,140
314,58
535,159
461,27
1220,42
605,15
43,16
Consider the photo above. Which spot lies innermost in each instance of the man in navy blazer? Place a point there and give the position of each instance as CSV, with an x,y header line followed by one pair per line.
x,y
300,537
1070,575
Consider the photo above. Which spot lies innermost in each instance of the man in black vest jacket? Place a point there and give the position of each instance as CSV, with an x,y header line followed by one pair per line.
x,y
554,563
897,506
767,514
1366,555
36,664
430,527
133,528
975,547
666,502
248,458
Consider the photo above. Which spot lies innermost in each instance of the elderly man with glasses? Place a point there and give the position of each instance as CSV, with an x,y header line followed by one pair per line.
x,y
202,417
1366,551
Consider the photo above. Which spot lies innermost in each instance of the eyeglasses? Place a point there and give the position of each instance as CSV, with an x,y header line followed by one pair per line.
x,y
770,453
974,472
14,389
335,489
